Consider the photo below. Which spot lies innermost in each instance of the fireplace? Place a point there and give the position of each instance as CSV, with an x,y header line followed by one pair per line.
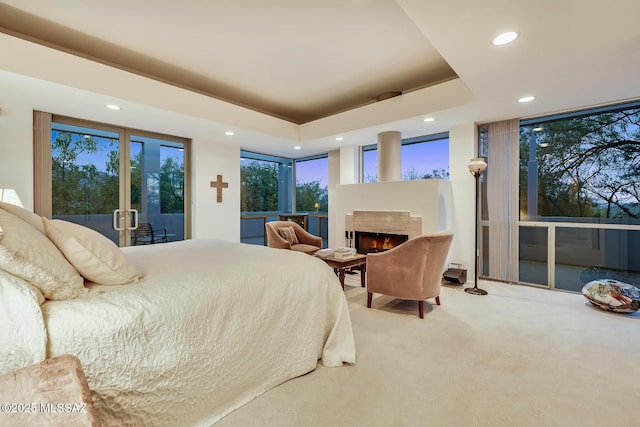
x,y
367,242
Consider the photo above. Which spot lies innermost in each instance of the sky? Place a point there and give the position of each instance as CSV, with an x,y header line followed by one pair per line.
x,y
423,157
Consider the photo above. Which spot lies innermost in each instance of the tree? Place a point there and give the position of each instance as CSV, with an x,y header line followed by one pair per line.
x,y
259,186
171,186
413,174
588,166
310,193
82,189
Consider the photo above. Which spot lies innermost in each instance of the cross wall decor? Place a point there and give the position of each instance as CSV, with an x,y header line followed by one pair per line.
x,y
218,184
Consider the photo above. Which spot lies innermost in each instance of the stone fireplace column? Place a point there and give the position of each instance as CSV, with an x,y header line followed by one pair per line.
x,y
389,156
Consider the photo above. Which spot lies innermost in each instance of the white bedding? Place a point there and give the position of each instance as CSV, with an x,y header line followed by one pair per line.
x,y
211,326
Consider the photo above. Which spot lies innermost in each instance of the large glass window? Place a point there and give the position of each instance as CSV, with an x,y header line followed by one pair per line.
x,y
579,189
312,194
421,158
266,191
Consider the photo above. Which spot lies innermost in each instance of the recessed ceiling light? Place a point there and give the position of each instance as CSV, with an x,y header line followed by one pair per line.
x,y
526,99
229,133
339,138
113,107
429,119
537,129
297,147
544,145
505,38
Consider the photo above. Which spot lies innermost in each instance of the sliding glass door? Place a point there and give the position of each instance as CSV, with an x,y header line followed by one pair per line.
x,y
114,180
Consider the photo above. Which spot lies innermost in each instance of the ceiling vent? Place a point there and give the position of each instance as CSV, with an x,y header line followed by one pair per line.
x,y
387,95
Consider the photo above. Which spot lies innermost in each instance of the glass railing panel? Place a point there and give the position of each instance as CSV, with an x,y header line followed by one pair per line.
x,y
252,228
586,254
533,262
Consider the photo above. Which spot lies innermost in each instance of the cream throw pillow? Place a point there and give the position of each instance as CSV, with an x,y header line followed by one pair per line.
x,y
25,215
95,257
289,234
29,255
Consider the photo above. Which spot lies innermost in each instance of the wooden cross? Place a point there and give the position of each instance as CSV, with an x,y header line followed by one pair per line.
x,y
219,185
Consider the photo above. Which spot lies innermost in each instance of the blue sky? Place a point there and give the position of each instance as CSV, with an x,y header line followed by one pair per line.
x,y
423,157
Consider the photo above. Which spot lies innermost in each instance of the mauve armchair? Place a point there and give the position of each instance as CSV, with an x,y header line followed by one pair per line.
x,y
308,243
411,271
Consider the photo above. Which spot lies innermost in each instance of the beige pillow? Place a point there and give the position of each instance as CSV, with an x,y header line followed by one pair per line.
x,y
95,257
29,255
25,215
289,234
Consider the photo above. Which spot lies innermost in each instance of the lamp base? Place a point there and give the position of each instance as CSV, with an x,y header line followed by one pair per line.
x,y
476,291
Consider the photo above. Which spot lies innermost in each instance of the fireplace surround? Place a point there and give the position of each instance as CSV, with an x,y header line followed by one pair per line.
x,y
375,231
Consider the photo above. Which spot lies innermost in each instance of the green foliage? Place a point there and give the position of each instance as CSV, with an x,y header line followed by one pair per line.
x,y
86,189
310,197
588,166
82,189
259,186
171,186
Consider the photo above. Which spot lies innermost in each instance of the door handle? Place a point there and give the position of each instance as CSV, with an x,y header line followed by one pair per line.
x,y
135,219
117,219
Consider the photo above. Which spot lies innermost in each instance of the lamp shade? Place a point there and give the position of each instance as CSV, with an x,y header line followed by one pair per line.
x,y
9,195
477,165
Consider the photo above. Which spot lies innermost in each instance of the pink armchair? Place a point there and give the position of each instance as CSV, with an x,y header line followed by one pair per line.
x,y
308,243
412,270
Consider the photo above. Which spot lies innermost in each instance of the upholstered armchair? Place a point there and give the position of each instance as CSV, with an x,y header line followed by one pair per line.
x,y
302,241
412,270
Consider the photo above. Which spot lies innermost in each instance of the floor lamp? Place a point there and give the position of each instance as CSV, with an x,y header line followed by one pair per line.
x,y
476,166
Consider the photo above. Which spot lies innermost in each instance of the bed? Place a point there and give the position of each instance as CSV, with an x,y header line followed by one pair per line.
x,y
205,327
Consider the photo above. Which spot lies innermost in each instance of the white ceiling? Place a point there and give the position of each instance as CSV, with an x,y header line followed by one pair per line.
x,y
296,72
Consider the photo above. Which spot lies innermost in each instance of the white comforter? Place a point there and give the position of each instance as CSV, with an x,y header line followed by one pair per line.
x,y
212,325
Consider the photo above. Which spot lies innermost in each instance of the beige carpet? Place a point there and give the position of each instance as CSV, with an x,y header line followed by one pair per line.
x,y
519,356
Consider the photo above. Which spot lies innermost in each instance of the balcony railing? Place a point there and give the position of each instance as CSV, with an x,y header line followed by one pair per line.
x,y
567,255
252,226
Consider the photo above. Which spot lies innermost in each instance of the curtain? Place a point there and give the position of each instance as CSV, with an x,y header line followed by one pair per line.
x,y
502,199
42,163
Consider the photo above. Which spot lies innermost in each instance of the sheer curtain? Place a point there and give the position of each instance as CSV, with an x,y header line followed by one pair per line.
x,y
502,218
42,163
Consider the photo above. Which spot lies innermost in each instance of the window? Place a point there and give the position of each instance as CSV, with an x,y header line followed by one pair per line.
x,y
266,183
312,193
579,198
425,157
266,190
311,184
421,158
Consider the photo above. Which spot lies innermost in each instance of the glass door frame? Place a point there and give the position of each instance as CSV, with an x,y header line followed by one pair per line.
x,y
43,190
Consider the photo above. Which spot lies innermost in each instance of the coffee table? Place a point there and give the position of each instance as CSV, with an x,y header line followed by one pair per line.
x,y
340,265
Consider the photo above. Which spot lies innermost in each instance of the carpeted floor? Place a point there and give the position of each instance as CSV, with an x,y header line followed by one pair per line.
x,y
517,357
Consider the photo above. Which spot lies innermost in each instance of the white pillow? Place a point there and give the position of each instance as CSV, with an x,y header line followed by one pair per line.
x,y
28,254
25,215
95,257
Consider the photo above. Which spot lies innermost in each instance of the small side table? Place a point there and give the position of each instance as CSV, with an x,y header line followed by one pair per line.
x,y
340,265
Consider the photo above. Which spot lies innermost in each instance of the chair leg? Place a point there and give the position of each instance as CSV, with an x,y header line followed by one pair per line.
x,y
438,300
421,308
369,296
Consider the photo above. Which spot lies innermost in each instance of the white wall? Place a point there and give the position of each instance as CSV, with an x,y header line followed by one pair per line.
x,y
210,218
332,183
16,151
428,198
462,148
